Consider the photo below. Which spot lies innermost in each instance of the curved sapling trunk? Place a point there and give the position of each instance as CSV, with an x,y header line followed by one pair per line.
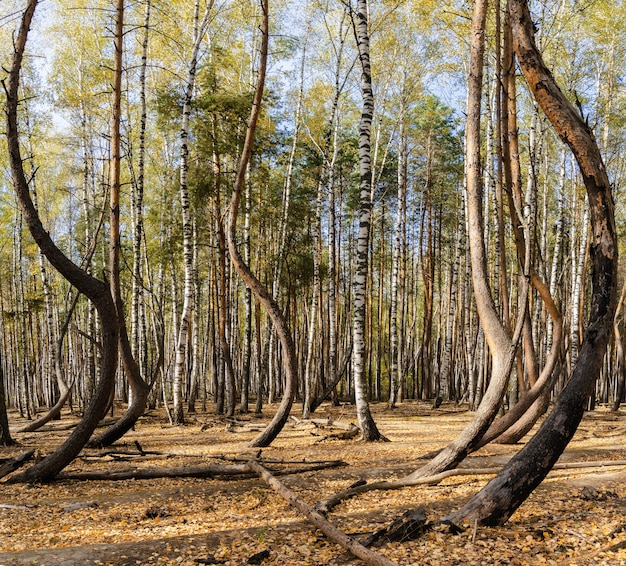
x,y
259,290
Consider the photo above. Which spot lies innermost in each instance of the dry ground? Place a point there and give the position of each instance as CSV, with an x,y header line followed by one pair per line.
x,y
207,521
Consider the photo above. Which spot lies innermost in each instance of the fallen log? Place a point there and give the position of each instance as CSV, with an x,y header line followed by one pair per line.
x,y
281,461
120,453
209,471
345,435
54,427
160,472
349,430
333,533
321,423
15,463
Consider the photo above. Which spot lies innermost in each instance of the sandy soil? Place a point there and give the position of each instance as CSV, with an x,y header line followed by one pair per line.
x,y
575,517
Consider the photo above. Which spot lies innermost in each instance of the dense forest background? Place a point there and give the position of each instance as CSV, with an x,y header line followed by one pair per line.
x,y
189,70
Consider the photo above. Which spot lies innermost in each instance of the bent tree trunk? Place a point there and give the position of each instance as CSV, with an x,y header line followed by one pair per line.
x,y
139,387
495,503
259,290
502,346
97,291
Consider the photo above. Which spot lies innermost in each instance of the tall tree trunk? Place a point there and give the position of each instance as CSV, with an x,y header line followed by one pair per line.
x,y
619,353
309,370
519,420
5,433
247,339
447,375
558,242
139,387
222,294
395,377
138,337
24,398
180,366
55,344
366,422
428,278
501,346
495,503
578,268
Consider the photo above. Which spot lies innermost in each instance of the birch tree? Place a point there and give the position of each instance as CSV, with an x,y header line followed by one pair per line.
x,y
199,30
97,291
368,427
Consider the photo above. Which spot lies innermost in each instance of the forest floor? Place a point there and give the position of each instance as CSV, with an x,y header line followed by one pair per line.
x,y
576,517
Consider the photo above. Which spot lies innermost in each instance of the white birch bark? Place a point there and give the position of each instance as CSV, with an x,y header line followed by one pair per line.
x,y
368,427
558,242
247,339
317,259
397,255
578,265
137,336
200,28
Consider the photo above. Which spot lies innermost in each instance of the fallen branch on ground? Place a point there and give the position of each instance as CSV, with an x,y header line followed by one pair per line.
x,y
225,472
121,454
350,430
248,427
282,461
325,505
318,520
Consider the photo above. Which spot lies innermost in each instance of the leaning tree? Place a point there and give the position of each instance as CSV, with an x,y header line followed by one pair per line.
x,y
98,292
499,499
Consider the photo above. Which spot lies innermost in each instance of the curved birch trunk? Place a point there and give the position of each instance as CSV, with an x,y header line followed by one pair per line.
x,y
495,503
502,347
260,291
55,356
97,291
519,420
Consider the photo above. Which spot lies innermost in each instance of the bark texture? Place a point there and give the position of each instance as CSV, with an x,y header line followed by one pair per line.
x,y
359,354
